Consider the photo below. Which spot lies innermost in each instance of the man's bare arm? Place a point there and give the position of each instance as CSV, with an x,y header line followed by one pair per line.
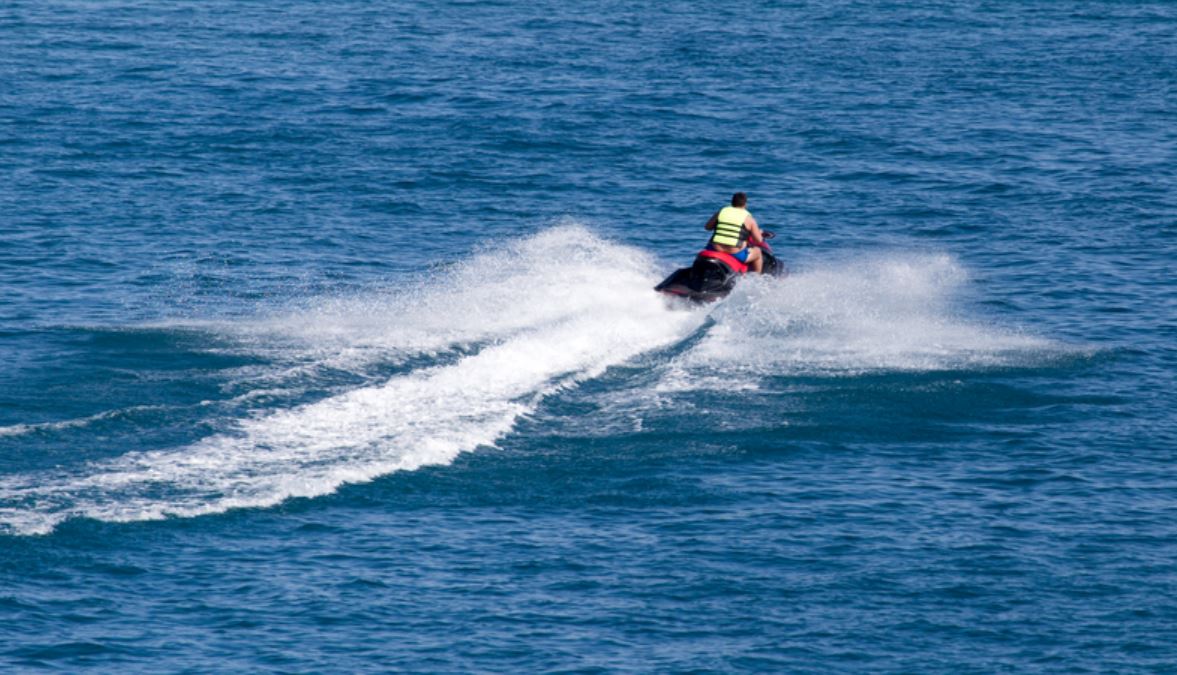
x,y
754,228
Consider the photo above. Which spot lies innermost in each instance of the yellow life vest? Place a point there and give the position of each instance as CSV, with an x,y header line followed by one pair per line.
x,y
729,226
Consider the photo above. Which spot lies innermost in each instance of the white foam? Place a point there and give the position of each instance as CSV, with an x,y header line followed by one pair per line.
x,y
881,313
548,319
894,313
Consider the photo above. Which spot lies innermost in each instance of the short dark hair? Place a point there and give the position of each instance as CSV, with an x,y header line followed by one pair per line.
x,y
739,200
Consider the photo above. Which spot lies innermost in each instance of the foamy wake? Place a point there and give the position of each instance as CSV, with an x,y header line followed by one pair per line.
x,y
546,314
882,313
517,326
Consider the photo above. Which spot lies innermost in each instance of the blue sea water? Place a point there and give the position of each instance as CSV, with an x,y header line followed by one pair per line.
x,y
327,338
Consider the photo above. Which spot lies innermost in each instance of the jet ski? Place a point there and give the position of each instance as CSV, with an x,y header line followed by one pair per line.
x,y
714,274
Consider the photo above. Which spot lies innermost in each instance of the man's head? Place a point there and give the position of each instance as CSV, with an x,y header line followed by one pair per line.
x,y
739,200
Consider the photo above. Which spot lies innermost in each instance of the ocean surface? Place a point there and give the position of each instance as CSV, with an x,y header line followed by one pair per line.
x,y
328,344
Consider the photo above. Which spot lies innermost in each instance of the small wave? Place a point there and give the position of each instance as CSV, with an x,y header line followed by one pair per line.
x,y
77,423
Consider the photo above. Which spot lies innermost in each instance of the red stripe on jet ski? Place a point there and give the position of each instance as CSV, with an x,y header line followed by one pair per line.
x,y
727,259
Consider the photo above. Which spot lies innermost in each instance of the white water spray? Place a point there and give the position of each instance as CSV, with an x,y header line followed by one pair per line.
x,y
541,329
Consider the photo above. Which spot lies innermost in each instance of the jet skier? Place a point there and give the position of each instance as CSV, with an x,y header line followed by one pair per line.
x,y
737,244
732,226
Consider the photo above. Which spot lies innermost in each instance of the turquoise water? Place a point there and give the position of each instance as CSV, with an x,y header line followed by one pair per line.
x,y
327,340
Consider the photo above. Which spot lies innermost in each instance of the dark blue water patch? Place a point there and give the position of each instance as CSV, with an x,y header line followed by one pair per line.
x,y
82,394
109,359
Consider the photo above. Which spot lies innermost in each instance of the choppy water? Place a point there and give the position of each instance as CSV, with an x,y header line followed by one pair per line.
x,y
327,340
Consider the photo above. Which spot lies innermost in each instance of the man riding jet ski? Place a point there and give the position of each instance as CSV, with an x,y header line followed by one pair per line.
x,y
728,255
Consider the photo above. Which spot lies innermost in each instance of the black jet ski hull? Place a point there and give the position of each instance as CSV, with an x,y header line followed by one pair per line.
x,y
710,279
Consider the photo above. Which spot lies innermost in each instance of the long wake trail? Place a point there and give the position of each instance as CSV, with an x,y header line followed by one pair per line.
x,y
486,342
539,332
